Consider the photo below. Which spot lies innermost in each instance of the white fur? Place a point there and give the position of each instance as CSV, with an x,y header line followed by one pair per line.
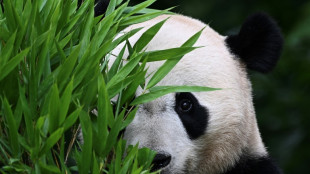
x,y
232,126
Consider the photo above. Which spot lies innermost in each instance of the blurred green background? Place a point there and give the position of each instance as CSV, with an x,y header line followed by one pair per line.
x,y
282,98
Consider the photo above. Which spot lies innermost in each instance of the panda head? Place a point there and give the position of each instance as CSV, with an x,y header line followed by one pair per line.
x,y
206,132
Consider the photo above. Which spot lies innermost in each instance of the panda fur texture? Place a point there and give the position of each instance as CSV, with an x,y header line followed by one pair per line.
x,y
207,132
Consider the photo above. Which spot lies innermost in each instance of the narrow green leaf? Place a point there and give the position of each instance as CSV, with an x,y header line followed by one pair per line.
x,y
111,7
84,166
105,111
103,28
72,119
140,18
7,50
147,36
65,102
129,93
95,168
118,87
129,118
137,8
11,127
163,90
54,104
112,71
112,137
88,24
48,168
68,66
12,63
170,64
171,53
124,71
51,141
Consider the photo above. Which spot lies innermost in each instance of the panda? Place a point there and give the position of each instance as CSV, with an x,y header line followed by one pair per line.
x,y
207,132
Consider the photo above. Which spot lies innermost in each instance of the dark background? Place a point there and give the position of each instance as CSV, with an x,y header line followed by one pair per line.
x,y
281,98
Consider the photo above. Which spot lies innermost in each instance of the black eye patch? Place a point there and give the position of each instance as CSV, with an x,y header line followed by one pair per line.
x,y
193,116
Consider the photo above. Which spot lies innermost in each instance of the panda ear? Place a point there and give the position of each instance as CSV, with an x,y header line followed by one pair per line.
x,y
258,44
101,7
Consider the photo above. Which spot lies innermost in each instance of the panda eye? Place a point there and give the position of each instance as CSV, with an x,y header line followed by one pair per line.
x,y
185,105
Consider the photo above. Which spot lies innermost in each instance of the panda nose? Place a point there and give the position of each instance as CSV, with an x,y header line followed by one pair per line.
x,y
160,161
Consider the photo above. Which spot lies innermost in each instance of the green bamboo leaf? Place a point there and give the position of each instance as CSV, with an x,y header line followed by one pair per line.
x,y
111,7
128,159
103,28
140,18
68,66
116,64
105,111
54,106
168,53
147,36
65,102
118,87
13,132
115,129
137,8
124,71
170,64
60,51
43,54
72,22
95,168
28,113
48,168
72,119
61,44
7,50
129,118
163,90
85,33
85,162
12,63
51,141
11,23
118,158
65,12
129,93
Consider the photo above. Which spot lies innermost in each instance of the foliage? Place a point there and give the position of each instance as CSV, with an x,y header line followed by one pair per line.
x,y
54,79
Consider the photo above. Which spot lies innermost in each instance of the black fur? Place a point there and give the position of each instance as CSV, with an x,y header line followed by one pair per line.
x,y
195,121
101,7
258,44
254,165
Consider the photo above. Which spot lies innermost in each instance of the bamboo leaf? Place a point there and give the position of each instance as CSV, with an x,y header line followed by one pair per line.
x,y
7,50
51,141
171,53
65,102
105,114
12,63
147,36
116,63
163,90
10,120
72,119
170,64
111,7
124,71
53,110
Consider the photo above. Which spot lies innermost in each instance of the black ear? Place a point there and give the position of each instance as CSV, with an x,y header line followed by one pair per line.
x,y
259,43
101,7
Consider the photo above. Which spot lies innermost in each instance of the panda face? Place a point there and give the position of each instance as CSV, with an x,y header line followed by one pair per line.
x,y
203,132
